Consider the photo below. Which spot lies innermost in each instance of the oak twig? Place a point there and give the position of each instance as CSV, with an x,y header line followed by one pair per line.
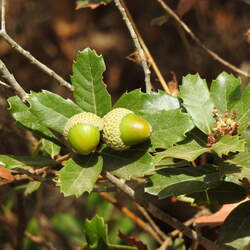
x,y
136,43
175,232
29,174
152,223
142,224
5,85
12,81
26,53
39,240
3,9
146,51
199,42
156,212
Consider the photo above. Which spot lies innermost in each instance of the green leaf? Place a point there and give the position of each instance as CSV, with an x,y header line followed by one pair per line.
x,y
90,91
243,110
51,148
23,116
161,110
241,160
225,91
169,127
178,244
96,232
225,193
120,223
129,163
80,174
235,232
11,161
228,144
177,181
31,187
198,102
90,3
152,102
246,135
33,228
198,136
241,165
163,161
52,110
189,151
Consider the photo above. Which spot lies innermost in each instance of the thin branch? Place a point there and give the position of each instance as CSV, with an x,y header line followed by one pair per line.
x,y
142,224
34,61
39,240
5,85
26,53
152,223
60,159
198,41
136,43
33,176
146,51
165,244
174,233
156,212
3,9
12,81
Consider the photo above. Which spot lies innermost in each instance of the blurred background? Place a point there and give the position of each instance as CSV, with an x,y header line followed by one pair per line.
x,y
53,31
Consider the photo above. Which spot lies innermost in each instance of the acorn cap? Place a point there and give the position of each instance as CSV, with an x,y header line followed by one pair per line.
x,y
111,128
83,118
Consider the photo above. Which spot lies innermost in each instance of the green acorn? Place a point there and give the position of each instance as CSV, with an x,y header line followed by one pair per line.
x,y
82,131
122,129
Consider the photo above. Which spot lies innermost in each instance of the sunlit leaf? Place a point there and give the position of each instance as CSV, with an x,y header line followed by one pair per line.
x,y
243,110
80,174
90,91
153,102
27,119
129,163
11,161
189,151
52,110
176,181
228,144
51,148
198,102
225,92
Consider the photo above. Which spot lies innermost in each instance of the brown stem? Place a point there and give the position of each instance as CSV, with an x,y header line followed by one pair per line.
x,y
142,224
133,34
198,41
146,51
156,212
12,81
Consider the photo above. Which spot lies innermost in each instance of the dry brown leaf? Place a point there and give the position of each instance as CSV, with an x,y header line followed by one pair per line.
x,y
132,241
217,218
248,35
184,6
94,6
173,85
6,174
